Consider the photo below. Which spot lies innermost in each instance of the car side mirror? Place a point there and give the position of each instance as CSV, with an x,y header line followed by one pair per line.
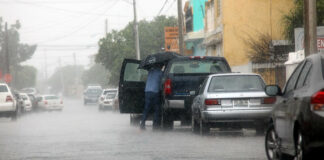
x,y
273,90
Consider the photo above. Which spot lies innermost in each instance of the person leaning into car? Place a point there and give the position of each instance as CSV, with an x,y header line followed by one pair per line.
x,y
152,96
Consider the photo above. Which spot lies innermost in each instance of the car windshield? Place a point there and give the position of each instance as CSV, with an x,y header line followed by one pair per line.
x,y
3,88
94,91
28,90
236,83
198,66
111,94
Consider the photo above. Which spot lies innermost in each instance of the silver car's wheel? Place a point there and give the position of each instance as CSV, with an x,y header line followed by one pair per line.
x,y
299,147
272,144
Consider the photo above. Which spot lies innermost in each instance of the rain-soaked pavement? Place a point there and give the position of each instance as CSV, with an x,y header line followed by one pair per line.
x,y
82,132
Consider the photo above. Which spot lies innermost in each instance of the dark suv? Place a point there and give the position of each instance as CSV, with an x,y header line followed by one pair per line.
x,y
180,83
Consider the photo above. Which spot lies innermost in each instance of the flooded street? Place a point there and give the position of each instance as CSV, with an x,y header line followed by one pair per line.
x,y
82,132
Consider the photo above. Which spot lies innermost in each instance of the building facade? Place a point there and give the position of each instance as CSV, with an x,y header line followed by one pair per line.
x,y
194,24
229,24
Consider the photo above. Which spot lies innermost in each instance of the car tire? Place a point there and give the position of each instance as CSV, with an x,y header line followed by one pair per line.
x,y
272,146
204,127
167,121
301,153
194,125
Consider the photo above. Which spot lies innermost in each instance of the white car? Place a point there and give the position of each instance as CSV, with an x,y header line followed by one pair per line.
x,y
27,104
8,107
109,101
49,102
103,96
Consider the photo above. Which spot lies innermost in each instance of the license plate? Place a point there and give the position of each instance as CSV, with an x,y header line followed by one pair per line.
x,y
241,102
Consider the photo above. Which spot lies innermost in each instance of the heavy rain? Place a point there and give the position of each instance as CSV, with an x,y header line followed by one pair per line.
x,y
119,79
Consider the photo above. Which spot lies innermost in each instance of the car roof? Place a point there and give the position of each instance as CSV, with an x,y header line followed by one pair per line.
x,y
234,74
197,58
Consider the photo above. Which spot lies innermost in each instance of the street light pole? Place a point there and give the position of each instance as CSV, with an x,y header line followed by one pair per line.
x,y
7,49
310,38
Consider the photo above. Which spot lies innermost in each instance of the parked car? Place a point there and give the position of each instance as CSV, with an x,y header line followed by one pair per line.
x,y
297,122
231,100
109,100
91,94
103,95
8,102
50,102
27,104
33,101
180,83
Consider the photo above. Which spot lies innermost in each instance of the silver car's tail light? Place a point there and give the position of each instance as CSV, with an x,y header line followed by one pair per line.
x,y
269,100
209,102
317,101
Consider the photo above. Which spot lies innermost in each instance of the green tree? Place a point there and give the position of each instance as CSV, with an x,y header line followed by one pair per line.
x,y
118,45
295,18
25,76
97,74
70,74
18,53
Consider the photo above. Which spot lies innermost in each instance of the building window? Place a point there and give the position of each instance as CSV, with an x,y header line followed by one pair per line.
x,y
210,16
219,7
189,20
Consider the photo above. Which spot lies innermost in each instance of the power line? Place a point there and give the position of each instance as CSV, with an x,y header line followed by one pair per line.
x,y
165,2
167,10
80,28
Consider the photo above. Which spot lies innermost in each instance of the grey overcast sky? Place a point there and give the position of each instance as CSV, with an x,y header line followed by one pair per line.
x,y
63,27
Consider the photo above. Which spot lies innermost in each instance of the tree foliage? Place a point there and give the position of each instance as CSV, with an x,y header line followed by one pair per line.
x,y
295,18
18,53
24,76
97,74
70,74
118,45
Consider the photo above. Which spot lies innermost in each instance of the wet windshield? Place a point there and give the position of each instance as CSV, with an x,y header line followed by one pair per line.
x,y
111,94
236,84
3,88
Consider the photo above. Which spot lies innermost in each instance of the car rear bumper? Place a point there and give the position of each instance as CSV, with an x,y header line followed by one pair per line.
x,y
236,115
51,107
4,107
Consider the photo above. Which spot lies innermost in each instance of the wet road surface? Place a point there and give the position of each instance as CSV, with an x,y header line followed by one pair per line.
x,y
82,132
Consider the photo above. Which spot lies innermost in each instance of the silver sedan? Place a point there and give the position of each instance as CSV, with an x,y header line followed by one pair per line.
x,y
232,100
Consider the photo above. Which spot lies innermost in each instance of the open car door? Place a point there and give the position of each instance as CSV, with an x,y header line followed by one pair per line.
x,y
131,87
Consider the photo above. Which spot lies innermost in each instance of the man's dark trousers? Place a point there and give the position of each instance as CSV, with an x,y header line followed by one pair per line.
x,y
152,99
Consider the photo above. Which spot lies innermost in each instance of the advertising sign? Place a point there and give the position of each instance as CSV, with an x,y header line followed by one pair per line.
x,y
299,39
171,39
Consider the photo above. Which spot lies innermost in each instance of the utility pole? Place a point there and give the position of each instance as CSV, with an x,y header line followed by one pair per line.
x,y
180,27
138,56
61,76
106,27
45,62
7,71
310,38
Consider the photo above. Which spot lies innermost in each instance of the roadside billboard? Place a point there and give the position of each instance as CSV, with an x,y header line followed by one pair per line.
x,y
299,39
171,39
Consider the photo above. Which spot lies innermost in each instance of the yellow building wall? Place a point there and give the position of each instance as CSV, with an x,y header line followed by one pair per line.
x,y
244,18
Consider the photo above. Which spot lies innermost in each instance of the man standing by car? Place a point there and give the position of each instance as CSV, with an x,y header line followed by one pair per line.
x,y
152,96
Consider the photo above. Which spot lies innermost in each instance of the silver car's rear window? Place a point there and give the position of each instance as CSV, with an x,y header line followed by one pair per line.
x,y
236,83
3,88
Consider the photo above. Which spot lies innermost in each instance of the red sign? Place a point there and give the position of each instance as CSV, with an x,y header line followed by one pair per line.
x,y
7,78
320,43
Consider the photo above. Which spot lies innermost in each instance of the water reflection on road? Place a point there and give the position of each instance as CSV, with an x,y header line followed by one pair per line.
x,y
82,132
